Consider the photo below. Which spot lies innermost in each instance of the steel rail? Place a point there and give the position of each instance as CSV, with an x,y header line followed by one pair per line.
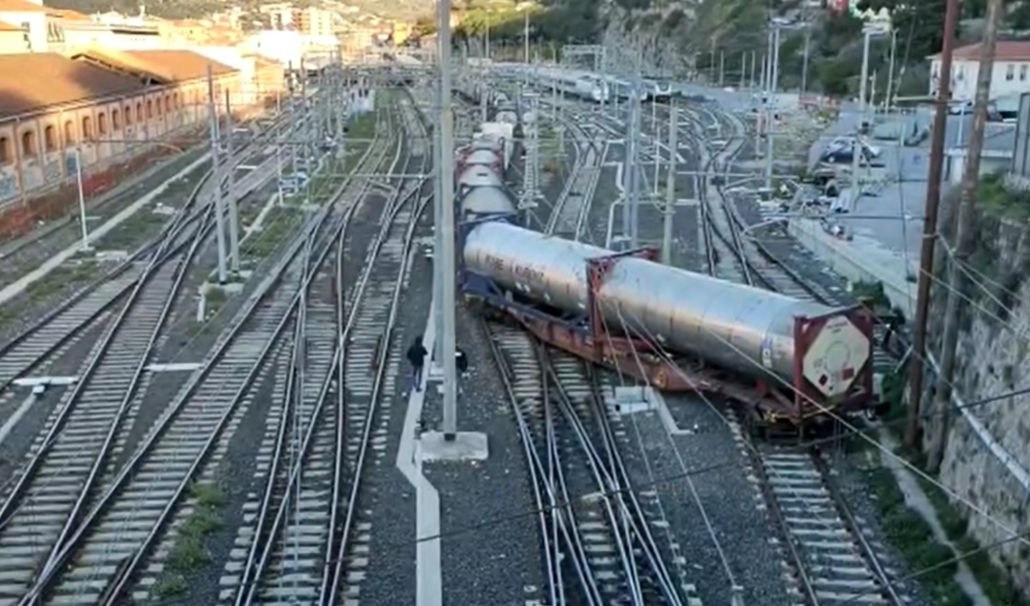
x,y
626,490
184,217
14,498
338,237
611,491
355,485
123,575
253,571
553,508
867,551
346,317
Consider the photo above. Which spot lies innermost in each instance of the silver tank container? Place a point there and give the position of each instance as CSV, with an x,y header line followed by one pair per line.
x,y
734,326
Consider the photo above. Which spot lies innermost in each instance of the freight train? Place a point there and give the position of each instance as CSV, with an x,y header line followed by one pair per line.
x,y
789,362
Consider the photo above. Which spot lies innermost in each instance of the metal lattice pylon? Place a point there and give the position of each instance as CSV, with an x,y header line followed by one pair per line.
x,y
531,172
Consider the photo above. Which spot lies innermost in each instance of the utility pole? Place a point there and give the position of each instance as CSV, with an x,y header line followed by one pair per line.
x,y
438,153
217,175
234,221
890,72
964,234
856,146
531,173
773,77
722,66
711,62
82,199
670,188
525,36
629,173
804,59
743,70
762,74
933,195
751,80
446,176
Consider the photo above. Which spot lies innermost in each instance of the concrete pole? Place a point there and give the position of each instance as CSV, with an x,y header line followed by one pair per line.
x,y
743,70
670,188
657,146
629,175
933,193
279,164
234,220
82,199
722,68
774,70
804,59
751,78
437,231
525,37
890,72
633,176
856,147
217,175
450,391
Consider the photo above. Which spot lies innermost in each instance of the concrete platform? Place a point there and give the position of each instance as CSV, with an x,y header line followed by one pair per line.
x,y
466,446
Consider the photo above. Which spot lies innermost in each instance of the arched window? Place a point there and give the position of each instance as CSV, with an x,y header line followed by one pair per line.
x,y
28,144
102,123
168,103
5,151
115,120
139,111
69,132
49,137
150,108
175,101
128,115
87,129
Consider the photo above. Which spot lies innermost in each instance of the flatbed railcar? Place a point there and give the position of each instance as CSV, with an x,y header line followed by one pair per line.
x,y
790,363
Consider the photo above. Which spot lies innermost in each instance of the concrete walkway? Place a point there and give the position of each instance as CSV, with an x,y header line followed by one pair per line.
x,y
920,503
428,577
17,287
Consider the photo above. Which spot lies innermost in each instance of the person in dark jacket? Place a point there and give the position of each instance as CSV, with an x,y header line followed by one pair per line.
x,y
461,362
416,356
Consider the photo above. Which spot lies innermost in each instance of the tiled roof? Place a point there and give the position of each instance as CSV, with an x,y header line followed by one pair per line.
x,y
33,81
21,6
1007,50
161,66
65,13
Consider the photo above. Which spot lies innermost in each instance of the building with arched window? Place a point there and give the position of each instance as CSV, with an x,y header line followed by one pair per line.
x,y
109,106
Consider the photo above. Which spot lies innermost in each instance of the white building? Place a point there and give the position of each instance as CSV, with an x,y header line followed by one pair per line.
x,y
1011,74
289,48
31,17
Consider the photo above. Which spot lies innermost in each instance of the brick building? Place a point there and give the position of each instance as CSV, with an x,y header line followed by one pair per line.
x,y
110,106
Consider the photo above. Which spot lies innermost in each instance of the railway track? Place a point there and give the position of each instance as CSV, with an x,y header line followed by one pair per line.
x,y
64,470
92,516
832,561
599,548
303,543
86,309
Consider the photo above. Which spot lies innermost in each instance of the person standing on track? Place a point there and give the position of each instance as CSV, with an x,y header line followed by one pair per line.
x,y
417,356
